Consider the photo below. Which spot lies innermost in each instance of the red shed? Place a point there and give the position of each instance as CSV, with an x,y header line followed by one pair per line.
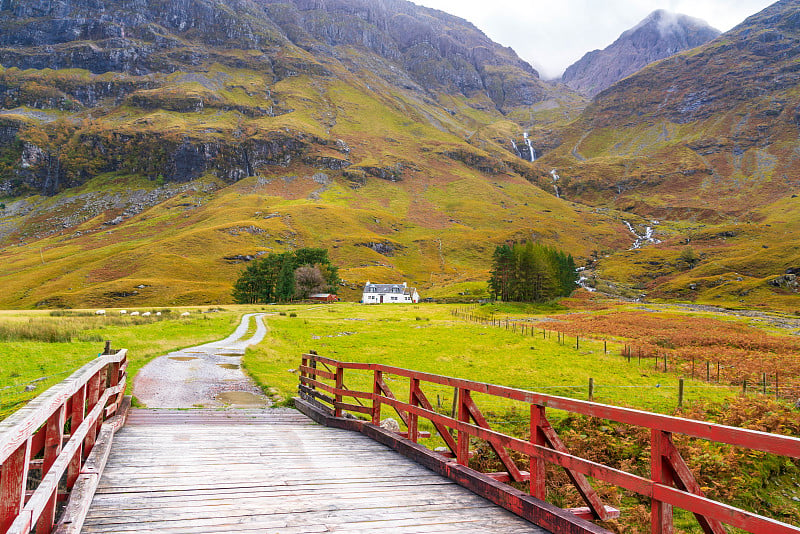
x,y
324,297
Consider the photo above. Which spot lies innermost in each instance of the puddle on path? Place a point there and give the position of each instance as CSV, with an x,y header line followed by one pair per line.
x,y
183,358
228,354
228,365
241,398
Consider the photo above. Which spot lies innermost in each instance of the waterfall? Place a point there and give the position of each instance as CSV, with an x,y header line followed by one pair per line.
x,y
530,146
556,178
519,154
647,237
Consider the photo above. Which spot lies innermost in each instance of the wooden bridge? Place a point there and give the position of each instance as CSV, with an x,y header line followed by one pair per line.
x,y
279,471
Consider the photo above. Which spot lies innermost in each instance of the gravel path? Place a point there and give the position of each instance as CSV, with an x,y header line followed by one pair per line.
x,y
206,376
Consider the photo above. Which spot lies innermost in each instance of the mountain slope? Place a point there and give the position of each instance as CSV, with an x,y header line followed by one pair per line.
x,y
147,152
705,143
661,34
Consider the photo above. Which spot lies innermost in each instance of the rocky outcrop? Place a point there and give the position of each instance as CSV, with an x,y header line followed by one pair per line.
x,y
437,50
385,248
48,172
660,35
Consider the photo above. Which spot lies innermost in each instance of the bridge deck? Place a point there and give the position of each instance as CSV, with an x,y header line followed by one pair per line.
x,y
274,471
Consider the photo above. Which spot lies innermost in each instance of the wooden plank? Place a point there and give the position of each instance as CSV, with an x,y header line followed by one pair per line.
x,y
278,477
538,512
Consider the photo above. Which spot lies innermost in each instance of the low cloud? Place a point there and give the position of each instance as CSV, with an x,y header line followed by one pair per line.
x,y
551,36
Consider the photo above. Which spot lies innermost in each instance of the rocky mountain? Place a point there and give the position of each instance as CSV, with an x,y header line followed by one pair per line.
x,y
661,34
705,143
149,148
171,140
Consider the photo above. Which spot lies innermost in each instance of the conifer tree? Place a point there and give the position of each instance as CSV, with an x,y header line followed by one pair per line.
x,y
531,272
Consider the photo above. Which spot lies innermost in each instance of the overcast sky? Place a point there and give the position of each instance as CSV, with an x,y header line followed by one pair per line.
x,y
551,35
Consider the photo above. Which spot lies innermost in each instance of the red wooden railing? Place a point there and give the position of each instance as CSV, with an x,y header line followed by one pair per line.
x,y
35,438
671,482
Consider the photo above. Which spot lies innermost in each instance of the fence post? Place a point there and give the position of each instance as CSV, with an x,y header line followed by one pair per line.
x,y
54,437
537,464
462,454
776,385
680,392
76,418
764,383
413,419
577,342
708,371
92,396
107,349
13,478
591,388
744,387
660,473
376,397
337,408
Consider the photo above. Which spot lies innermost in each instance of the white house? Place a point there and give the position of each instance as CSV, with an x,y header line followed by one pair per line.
x,y
389,294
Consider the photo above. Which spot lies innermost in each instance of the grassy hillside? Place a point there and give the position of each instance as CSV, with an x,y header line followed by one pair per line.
x,y
701,146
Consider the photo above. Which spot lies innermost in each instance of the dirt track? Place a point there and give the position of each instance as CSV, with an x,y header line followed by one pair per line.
x,y
206,376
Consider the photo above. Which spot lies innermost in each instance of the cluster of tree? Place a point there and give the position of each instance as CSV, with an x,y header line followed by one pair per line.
x,y
531,272
287,276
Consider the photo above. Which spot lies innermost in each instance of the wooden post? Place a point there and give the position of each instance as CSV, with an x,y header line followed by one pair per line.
x,y
413,419
76,418
744,387
776,386
92,396
680,392
692,367
376,401
605,347
708,371
591,389
764,383
537,465
462,455
107,348
455,403
660,473
53,440
337,410
577,342
13,478
665,363
718,366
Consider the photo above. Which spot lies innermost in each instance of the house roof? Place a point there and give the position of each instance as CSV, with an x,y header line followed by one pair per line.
x,y
389,288
384,288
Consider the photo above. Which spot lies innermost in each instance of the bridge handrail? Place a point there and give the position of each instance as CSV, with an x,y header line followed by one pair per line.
x,y
671,482
83,401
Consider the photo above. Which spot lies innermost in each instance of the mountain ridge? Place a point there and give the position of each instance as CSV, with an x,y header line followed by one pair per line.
x,y
659,35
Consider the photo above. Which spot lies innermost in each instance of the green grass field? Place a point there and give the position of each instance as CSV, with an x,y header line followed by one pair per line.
x,y
428,338
31,362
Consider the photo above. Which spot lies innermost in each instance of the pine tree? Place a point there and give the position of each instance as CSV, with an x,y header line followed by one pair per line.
x,y
531,272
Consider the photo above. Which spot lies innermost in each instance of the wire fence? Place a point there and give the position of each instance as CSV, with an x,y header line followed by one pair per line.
x,y
715,373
